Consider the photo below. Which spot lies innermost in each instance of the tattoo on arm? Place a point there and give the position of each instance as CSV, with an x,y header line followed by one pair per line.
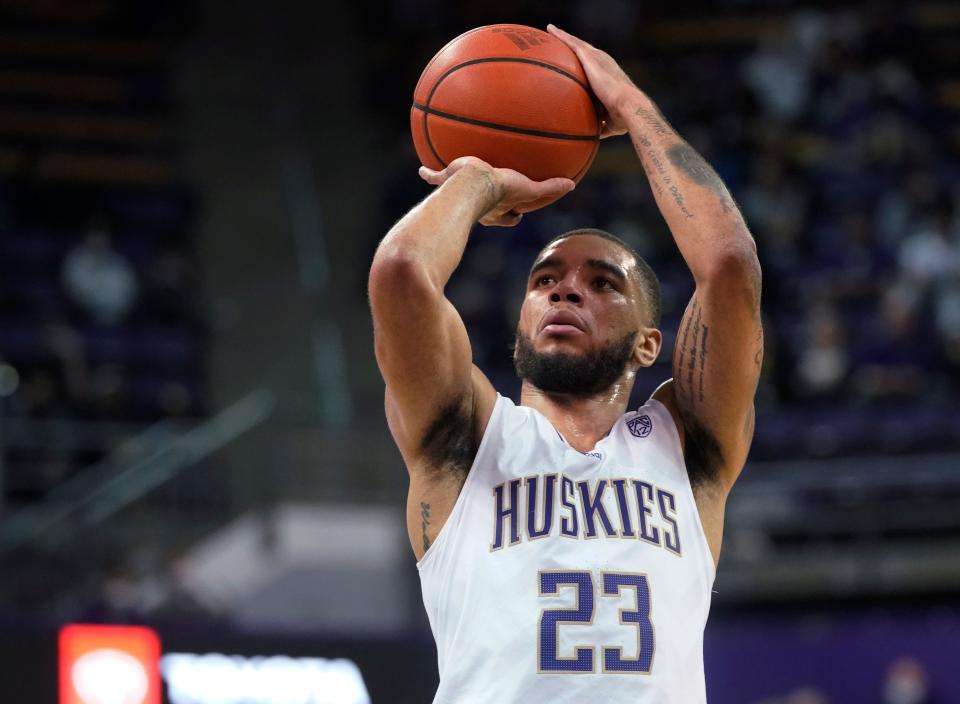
x,y
702,454
686,159
682,349
692,356
703,358
425,517
658,174
756,289
655,120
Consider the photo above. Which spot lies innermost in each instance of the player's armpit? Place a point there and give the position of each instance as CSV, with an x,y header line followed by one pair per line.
x,y
424,354
716,366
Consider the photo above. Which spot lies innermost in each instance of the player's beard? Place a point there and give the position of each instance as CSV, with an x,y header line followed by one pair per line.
x,y
576,374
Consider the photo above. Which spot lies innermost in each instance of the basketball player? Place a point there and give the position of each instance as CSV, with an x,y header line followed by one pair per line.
x,y
566,545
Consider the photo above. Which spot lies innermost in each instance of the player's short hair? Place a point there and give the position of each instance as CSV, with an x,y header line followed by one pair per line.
x,y
649,283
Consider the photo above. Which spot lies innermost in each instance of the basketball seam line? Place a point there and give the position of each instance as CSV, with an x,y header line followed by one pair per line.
x,y
426,108
516,60
505,128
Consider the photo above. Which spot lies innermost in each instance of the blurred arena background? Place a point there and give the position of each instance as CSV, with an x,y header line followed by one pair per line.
x,y
191,426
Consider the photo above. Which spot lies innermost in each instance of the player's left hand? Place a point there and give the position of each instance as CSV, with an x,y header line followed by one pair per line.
x,y
609,82
517,194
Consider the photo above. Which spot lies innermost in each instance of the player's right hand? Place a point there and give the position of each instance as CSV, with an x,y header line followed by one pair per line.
x,y
609,82
515,194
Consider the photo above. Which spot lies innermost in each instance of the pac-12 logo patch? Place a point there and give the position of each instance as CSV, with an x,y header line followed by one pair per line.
x,y
641,426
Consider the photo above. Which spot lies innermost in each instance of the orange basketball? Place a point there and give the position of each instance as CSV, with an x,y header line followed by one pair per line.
x,y
514,96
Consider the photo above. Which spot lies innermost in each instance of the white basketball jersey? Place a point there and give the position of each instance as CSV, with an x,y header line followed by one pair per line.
x,y
563,576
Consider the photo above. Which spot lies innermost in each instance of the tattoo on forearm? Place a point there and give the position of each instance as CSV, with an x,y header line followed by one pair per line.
x,y
655,119
425,517
695,167
657,173
686,159
703,358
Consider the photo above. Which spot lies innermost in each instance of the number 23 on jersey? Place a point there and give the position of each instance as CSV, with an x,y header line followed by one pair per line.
x,y
612,584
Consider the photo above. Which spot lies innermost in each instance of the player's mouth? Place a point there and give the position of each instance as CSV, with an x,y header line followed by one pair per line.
x,y
563,322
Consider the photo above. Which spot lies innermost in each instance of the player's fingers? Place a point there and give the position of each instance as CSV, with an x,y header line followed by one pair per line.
x,y
554,186
608,130
509,219
567,38
543,199
434,178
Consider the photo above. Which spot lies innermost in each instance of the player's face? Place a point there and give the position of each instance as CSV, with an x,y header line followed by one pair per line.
x,y
582,296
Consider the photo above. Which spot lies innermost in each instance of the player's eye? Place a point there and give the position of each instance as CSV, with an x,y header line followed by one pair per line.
x,y
601,282
544,280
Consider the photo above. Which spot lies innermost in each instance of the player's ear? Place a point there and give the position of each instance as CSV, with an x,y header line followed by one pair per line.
x,y
647,347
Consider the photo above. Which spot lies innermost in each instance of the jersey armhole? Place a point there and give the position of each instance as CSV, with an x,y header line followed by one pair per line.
x,y
678,453
458,509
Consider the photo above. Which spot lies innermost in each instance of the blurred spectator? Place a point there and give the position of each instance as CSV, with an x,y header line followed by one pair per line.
x,y
823,362
930,253
906,683
892,362
905,202
804,695
779,70
99,279
776,209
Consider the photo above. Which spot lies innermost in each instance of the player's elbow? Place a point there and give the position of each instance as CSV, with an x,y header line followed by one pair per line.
x,y
736,261
397,278
736,270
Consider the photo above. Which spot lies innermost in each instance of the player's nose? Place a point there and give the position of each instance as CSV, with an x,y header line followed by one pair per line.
x,y
566,290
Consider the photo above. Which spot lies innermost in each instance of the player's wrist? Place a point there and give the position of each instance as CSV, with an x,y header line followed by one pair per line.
x,y
631,102
489,186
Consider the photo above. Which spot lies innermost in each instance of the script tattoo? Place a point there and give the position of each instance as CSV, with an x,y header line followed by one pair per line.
x,y
658,173
691,356
425,517
703,357
655,119
756,288
701,453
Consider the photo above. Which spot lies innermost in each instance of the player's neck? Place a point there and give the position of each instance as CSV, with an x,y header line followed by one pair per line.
x,y
582,420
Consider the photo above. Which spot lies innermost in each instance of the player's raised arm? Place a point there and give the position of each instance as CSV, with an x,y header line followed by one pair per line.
x,y
719,347
421,343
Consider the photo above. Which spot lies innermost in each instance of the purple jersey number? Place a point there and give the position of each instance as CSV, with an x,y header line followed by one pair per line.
x,y
582,661
613,660
612,584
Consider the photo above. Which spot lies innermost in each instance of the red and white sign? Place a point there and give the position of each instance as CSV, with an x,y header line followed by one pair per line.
x,y
109,665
